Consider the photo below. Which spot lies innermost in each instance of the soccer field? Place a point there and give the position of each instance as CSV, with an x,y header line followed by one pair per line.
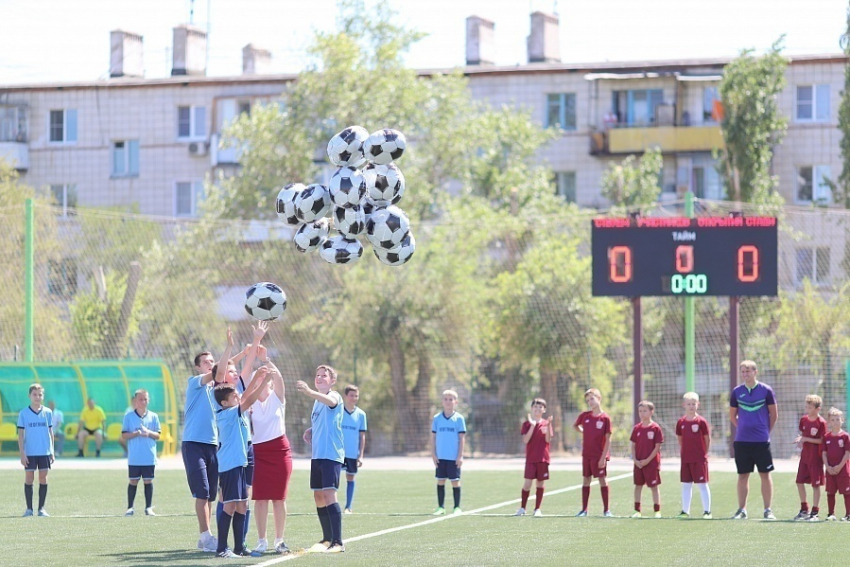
x,y
87,527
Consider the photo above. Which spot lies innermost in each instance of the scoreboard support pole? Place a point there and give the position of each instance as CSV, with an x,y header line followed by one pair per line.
x,y
690,319
734,362
637,346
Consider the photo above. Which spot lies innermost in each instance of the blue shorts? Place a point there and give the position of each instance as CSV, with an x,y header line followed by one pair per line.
x,y
350,466
234,487
447,470
201,463
249,472
141,471
41,462
324,474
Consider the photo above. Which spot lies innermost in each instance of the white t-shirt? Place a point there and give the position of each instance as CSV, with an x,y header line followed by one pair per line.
x,y
268,419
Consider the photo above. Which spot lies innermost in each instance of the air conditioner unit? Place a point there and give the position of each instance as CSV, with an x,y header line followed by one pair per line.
x,y
198,149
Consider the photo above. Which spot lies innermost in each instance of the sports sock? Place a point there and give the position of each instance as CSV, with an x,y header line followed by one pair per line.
x,y
148,495
804,506
705,495
247,524
97,453
219,510
687,492
441,495
238,532
349,494
656,507
539,500
42,495
223,529
131,494
815,510
604,491
28,495
324,519
456,495
585,497
335,521
524,500
846,504
637,506
830,503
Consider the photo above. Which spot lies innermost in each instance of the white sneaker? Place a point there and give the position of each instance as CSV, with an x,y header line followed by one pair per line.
x,y
608,514
538,513
149,512
129,512
262,545
226,553
520,512
347,511
208,544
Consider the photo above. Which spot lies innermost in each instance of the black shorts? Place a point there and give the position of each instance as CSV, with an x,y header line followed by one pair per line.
x,y
144,472
91,431
749,455
324,474
249,471
447,470
233,485
41,462
201,463
350,466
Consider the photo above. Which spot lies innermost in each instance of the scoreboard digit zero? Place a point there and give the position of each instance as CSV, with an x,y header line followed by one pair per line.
x,y
724,256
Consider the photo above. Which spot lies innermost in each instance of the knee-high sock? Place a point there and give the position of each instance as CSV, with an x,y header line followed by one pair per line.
x,y
28,495
705,495
441,495
238,532
847,504
223,529
524,501
335,521
42,495
148,495
687,493
539,498
325,521
456,495
219,510
830,503
247,524
349,494
131,494
604,490
585,497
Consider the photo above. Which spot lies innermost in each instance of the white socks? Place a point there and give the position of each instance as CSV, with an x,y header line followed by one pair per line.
x,y
705,494
687,491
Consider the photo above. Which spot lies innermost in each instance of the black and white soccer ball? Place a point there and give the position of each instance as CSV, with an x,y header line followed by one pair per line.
x,y
346,147
285,204
398,255
311,235
347,187
341,250
369,206
312,203
384,146
384,183
265,301
350,221
387,227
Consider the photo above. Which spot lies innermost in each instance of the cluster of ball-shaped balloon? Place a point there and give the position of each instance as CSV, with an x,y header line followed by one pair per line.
x,y
361,198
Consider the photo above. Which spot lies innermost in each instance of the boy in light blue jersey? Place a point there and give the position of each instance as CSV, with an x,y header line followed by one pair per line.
x,y
141,431
448,434
35,443
326,437
354,438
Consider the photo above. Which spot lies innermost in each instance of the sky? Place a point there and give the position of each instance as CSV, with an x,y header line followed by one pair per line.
x,y
68,40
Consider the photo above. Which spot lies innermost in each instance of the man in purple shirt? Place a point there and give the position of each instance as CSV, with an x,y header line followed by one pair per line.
x,y
753,413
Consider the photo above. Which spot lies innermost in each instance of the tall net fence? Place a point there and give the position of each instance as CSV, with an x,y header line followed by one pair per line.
x,y
501,319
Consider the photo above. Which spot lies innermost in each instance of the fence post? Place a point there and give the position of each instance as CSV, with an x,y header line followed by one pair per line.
x,y
29,262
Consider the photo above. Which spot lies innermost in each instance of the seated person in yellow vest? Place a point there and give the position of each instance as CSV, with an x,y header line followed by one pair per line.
x,y
92,422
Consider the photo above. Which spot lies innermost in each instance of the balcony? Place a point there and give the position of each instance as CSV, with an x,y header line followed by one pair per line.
x,y
15,153
220,156
670,139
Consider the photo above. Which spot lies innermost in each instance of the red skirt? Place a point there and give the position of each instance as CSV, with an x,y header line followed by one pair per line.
x,y
272,469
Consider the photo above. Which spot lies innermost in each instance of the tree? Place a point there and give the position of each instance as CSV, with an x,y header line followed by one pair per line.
x,y
841,190
632,185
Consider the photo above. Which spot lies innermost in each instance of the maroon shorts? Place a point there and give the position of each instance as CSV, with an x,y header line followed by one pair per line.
x,y
694,472
649,475
838,483
808,473
272,469
590,467
537,471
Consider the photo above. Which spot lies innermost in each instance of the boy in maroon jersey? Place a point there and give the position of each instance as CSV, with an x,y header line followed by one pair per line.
x,y
694,437
836,449
810,470
595,428
536,434
646,439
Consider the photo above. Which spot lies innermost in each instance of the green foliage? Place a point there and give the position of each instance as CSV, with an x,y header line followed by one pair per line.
x,y
95,319
841,190
631,185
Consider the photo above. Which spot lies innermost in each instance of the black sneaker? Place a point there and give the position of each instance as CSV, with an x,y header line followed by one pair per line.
x,y
245,552
337,547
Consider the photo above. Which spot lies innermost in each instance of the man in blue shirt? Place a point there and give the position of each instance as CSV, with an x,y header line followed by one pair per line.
x,y
753,413
448,433
328,454
141,431
35,443
354,438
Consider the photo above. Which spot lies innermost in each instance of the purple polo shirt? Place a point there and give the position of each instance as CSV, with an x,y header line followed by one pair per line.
x,y
753,414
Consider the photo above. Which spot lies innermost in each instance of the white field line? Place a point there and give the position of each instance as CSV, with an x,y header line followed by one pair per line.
x,y
448,516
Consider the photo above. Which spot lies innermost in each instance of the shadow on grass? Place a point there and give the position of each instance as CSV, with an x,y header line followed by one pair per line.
x,y
182,557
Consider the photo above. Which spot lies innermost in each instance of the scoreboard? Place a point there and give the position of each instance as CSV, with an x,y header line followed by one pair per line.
x,y
724,256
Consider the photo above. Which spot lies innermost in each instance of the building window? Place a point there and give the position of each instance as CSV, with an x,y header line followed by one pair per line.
x,y
63,125
636,107
813,263
565,185
813,103
13,124
192,122
561,111
65,198
812,184
62,278
125,158
187,198
710,98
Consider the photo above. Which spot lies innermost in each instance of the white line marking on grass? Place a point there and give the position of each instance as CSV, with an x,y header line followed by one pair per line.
x,y
448,516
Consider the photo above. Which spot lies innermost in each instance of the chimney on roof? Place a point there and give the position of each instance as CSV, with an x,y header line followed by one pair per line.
x,y
190,51
126,57
255,60
480,44
543,42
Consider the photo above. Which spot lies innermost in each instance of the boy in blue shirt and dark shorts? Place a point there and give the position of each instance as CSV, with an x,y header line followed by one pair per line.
x,y
35,442
448,432
141,430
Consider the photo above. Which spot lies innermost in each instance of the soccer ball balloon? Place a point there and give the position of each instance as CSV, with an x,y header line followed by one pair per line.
x,y
384,183
387,227
369,206
311,235
285,204
346,147
347,187
265,301
312,203
349,221
341,250
398,255
384,146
